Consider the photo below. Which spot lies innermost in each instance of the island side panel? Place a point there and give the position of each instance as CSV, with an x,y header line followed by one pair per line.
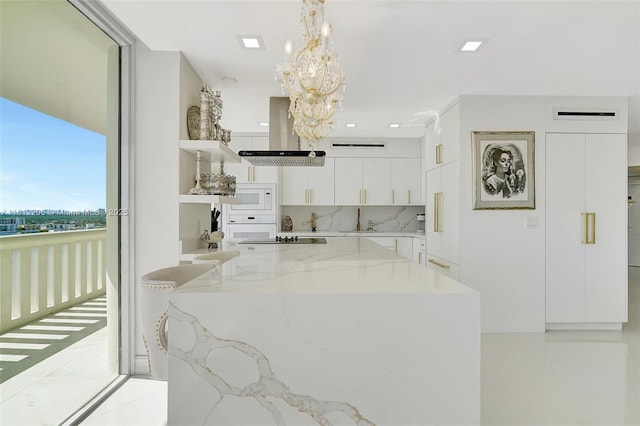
x,y
384,359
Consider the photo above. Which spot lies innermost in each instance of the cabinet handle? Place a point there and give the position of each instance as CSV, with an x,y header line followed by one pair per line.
x,y
419,258
439,153
591,237
310,196
393,196
396,245
442,265
249,173
306,196
360,197
437,206
409,195
585,228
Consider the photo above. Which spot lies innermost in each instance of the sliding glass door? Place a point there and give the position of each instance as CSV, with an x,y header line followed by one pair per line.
x,y
61,214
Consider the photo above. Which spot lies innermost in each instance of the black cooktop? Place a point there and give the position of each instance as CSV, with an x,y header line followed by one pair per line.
x,y
287,240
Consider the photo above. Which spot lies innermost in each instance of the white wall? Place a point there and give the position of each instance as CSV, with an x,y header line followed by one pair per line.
x,y
155,212
499,256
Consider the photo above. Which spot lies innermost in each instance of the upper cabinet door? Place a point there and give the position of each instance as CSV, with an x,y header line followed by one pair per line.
x,y
294,186
321,184
268,174
348,183
406,182
431,140
442,139
450,135
244,171
376,185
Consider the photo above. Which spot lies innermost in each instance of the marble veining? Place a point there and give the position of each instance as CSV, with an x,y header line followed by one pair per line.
x,y
344,218
266,388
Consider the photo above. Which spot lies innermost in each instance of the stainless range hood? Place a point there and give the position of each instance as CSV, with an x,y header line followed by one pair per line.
x,y
284,144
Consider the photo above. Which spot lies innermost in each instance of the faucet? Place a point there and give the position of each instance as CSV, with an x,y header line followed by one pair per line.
x,y
358,223
370,226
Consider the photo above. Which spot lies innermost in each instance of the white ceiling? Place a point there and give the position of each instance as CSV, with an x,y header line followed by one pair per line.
x,y
399,57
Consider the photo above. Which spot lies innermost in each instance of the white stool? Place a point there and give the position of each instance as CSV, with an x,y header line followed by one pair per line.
x,y
154,306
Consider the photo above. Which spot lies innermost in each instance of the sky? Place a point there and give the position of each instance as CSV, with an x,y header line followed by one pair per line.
x,y
47,163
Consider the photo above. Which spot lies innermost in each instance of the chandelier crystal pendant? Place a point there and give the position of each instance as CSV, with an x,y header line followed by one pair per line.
x,y
313,76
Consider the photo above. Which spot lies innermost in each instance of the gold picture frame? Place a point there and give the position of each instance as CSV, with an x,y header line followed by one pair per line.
x,y
503,170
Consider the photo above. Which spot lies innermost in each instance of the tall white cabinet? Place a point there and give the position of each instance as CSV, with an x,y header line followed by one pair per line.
x,y
442,204
586,229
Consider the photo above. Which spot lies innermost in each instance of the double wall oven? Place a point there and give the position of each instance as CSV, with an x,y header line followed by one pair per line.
x,y
256,215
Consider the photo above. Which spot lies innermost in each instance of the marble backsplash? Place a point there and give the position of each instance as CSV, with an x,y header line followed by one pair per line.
x,y
344,218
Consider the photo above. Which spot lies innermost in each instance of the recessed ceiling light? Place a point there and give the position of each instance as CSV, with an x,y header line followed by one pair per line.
x,y
253,42
471,45
394,125
229,80
263,124
351,124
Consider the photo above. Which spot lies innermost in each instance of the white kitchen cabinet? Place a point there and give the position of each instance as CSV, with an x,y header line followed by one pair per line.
x,y
244,171
401,245
586,228
442,213
419,251
406,182
442,138
362,181
308,185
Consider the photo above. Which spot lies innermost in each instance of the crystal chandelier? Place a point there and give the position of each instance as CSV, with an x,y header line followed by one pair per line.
x,y
313,76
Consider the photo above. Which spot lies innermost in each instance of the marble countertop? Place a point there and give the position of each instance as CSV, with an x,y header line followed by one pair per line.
x,y
343,265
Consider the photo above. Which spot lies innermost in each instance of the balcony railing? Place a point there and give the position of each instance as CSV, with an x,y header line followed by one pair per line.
x,y
43,273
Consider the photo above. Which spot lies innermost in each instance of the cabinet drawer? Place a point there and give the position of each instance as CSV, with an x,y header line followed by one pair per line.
x,y
443,266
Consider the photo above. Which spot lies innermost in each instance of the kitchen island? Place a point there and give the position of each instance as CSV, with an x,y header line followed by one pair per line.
x,y
343,333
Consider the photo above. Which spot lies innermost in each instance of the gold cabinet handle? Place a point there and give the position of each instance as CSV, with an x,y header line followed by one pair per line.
x,y
419,258
306,196
439,153
396,245
365,196
409,195
393,196
437,207
310,196
591,237
435,212
249,174
360,197
585,226
442,265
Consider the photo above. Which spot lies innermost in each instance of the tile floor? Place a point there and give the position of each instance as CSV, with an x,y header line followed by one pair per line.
x,y
50,391
30,344
553,378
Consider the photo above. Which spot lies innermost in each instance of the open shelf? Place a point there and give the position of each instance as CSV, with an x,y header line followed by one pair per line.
x,y
212,151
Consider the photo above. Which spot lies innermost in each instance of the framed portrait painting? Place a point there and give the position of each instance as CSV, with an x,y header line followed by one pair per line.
x,y
503,170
